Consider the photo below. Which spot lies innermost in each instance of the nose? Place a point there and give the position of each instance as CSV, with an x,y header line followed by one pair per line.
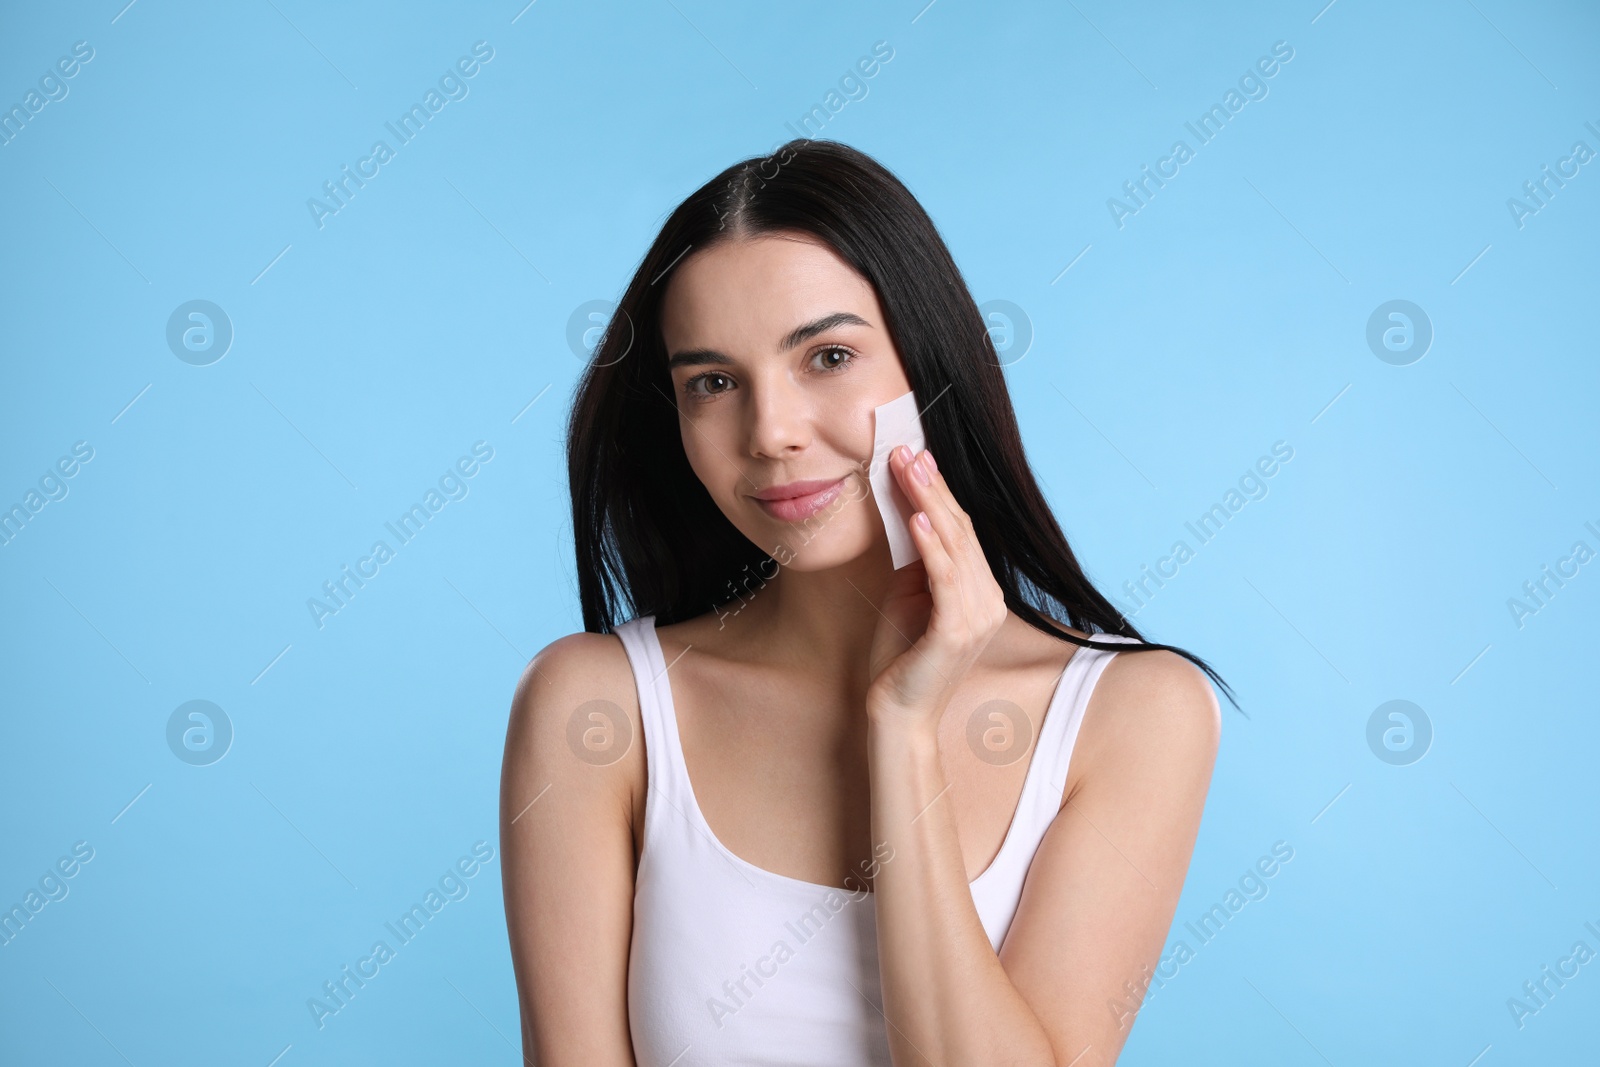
x,y
780,419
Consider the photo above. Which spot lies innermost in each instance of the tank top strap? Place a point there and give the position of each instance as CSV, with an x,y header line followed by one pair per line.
x,y
998,890
1059,736
1046,780
663,756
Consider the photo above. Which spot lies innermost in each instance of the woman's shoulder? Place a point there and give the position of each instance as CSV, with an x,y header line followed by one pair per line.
x,y
1151,708
577,666
577,698
1158,674
1145,705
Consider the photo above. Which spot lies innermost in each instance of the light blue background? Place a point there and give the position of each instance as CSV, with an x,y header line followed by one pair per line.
x,y
369,354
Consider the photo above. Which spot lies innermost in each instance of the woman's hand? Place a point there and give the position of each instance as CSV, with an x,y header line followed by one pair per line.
x,y
946,606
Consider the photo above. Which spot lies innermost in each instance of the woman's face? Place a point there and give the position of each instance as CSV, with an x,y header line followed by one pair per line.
x,y
779,352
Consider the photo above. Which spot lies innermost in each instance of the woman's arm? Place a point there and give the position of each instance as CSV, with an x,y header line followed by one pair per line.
x,y
1099,896
1101,890
567,844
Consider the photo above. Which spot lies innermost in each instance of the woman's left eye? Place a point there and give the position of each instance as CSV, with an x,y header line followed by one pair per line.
x,y
840,350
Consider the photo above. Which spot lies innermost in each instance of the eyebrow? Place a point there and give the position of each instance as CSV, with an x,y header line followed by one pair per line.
x,y
699,357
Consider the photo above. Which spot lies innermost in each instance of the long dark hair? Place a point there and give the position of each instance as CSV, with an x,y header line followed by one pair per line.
x,y
645,528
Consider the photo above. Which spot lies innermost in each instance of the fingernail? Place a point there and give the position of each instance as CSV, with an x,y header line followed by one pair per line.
x,y
921,470
932,466
902,453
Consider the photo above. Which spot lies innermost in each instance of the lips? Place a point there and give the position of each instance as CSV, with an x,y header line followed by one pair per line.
x,y
808,499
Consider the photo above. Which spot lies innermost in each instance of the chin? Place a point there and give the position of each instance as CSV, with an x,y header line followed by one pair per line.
x,y
826,541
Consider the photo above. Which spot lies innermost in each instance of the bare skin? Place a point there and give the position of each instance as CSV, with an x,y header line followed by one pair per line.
x,y
756,736
833,706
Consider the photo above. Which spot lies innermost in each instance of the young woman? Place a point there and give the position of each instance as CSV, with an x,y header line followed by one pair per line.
x,y
801,807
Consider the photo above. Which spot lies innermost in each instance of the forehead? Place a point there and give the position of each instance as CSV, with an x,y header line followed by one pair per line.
x,y
751,291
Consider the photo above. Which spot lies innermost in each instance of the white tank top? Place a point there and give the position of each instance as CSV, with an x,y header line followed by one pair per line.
x,y
732,963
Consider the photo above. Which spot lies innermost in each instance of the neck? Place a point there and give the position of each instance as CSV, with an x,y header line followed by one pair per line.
x,y
825,619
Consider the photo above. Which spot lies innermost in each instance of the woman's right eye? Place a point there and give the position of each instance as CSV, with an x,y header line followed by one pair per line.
x,y
689,386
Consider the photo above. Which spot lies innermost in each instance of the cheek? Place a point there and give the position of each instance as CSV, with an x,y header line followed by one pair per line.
x,y
848,427
707,459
